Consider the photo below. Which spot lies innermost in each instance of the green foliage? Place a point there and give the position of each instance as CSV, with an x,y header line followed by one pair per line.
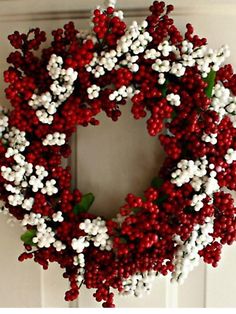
x,y
210,80
161,199
28,236
163,88
157,182
85,203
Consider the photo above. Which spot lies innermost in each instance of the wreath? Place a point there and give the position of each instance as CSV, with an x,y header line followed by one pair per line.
x,y
185,215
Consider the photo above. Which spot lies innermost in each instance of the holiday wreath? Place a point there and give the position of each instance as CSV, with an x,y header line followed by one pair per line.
x,y
189,97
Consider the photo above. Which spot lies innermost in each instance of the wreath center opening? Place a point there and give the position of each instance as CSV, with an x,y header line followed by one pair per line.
x,y
114,158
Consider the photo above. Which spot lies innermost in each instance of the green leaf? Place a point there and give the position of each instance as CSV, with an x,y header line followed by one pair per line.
x,y
5,143
174,115
28,236
163,88
210,80
123,240
136,209
157,182
85,203
161,199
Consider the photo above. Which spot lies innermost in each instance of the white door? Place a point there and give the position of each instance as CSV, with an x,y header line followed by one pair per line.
x,y
25,284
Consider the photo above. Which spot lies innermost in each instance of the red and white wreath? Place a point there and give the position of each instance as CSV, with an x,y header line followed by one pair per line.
x,y
187,213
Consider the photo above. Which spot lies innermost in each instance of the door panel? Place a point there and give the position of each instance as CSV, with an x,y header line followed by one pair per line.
x,y
110,160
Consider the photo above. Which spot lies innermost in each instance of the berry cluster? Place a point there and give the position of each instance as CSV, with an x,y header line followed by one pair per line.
x,y
108,26
189,99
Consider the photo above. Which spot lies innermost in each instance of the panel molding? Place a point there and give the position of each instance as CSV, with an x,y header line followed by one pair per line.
x,y
171,293
71,11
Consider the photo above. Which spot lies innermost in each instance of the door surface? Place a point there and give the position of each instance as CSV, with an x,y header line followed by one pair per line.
x,y
105,158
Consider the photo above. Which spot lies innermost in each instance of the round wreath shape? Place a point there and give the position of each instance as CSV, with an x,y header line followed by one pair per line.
x,y
188,96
